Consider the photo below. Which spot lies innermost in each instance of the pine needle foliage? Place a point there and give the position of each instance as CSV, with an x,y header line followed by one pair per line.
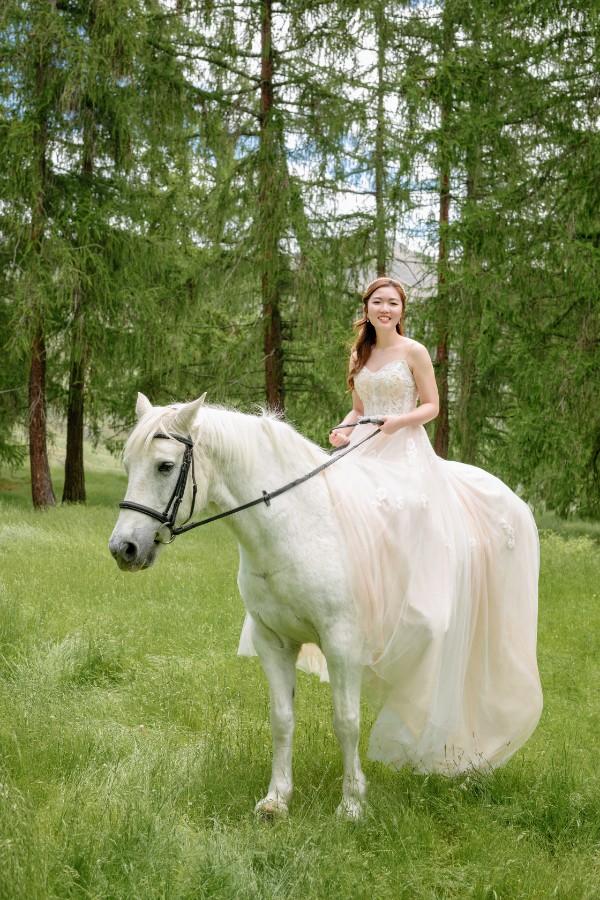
x,y
194,194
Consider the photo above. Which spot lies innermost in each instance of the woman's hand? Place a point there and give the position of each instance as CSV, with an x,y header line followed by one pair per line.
x,y
338,438
391,424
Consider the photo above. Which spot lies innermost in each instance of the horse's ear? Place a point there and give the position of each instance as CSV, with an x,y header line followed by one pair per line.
x,y
142,406
185,418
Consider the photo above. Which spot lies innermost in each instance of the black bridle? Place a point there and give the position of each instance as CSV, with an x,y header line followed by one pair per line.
x,y
172,508
168,517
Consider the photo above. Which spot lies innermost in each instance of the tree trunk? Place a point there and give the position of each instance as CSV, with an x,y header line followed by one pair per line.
x,y
269,216
442,430
74,488
468,411
42,492
41,482
381,242
441,441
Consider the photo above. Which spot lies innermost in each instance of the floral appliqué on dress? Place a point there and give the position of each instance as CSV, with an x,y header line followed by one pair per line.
x,y
509,531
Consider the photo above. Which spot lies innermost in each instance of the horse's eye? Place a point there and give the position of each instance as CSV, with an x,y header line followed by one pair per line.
x,y
165,467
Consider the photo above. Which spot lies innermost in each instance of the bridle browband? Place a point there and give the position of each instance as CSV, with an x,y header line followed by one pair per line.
x,y
168,517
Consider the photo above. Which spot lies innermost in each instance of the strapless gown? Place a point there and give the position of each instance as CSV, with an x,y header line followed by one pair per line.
x,y
446,578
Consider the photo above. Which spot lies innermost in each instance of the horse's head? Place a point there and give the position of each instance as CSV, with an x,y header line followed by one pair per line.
x,y
153,459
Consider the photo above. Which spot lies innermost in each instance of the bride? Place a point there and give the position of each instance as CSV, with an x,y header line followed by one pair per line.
x,y
445,571
381,342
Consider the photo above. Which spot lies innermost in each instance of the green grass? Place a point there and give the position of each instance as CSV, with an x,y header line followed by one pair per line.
x,y
134,743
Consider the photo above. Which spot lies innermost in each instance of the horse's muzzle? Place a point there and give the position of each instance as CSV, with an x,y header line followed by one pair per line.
x,y
128,555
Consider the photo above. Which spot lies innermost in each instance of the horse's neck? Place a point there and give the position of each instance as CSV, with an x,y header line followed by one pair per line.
x,y
242,451
246,458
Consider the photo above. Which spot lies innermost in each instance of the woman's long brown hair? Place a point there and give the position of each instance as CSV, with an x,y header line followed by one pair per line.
x,y
367,336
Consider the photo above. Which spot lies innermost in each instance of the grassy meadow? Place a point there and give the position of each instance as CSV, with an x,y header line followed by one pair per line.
x,y
134,743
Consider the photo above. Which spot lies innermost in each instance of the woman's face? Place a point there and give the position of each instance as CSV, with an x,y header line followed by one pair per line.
x,y
384,308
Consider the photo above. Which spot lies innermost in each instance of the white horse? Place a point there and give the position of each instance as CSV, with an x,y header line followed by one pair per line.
x,y
294,573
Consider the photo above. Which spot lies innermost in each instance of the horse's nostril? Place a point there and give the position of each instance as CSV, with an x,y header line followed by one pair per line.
x,y
129,551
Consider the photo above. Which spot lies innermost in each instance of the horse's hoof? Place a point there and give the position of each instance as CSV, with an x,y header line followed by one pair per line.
x,y
271,808
351,810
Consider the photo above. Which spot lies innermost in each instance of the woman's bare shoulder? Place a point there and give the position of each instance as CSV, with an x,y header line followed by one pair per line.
x,y
416,351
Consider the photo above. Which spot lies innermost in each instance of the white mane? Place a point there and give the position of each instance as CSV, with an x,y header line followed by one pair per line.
x,y
233,437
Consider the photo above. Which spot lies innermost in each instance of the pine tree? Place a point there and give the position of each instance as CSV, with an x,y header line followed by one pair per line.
x,y
112,127
28,91
275,108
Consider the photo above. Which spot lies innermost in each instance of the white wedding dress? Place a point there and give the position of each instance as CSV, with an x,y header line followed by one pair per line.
x,y
446,578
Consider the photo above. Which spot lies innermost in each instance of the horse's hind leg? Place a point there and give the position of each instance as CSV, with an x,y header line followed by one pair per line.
x,y
345,677
279,665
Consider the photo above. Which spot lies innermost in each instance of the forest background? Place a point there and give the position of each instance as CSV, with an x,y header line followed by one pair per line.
x,y
193,194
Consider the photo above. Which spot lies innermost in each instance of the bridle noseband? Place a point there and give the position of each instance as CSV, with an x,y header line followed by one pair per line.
x,y
169,516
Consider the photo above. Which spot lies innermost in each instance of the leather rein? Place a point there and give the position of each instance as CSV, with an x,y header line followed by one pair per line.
x,y
168,517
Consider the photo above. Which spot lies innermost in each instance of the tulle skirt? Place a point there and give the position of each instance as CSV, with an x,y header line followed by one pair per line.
x,y
445,587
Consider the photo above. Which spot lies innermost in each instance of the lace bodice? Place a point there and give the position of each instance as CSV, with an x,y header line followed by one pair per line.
x,y
389,391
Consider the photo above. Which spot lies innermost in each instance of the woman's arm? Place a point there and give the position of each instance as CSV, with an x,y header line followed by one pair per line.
x,y
339,438
429,402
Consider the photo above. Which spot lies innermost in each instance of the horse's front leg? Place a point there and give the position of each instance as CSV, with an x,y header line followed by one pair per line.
x,y
345,676
279,665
